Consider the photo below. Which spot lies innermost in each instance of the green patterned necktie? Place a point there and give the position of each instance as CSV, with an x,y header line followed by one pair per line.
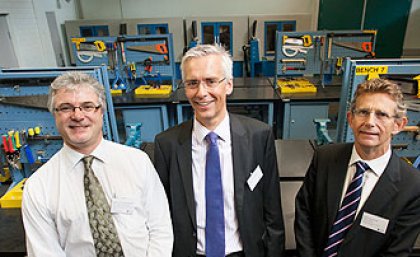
x,y
105,236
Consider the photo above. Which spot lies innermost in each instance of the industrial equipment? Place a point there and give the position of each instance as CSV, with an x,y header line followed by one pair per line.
x,y
143,64
320,53
263,64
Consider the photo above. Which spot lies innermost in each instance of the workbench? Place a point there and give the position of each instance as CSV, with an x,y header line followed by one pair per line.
x,y
299,111
288,114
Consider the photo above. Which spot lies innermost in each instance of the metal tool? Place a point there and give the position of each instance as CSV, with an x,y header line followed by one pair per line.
x,y
156,49
357,46
322,132
33,101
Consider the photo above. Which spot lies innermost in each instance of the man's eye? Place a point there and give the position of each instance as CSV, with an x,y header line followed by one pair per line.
x,y
65,108
211,81
382,114
364,112
88,106
192,82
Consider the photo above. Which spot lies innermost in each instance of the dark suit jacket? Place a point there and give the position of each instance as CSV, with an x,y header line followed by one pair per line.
x,y
259,212
395,197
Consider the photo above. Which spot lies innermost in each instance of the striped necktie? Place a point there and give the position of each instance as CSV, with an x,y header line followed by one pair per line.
x,y
346,213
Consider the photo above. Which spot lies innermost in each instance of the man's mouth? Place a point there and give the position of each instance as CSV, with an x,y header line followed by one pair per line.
x,y
204,103
369,133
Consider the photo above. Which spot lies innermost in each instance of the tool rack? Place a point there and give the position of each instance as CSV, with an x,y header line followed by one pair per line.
x,y
23,106
407,143
319,53
132,61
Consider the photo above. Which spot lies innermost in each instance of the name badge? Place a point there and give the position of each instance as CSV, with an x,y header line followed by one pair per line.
x,y
374,222
122,205
254,178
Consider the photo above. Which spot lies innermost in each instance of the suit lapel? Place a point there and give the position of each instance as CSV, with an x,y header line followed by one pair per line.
x,y
376,201
185,167
240,148
336,176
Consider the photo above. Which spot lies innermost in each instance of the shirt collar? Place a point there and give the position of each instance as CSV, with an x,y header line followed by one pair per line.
x,y
74,156
377,165
222,130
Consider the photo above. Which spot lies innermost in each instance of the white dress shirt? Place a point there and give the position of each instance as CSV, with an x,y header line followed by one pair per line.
x,y
54,209
370,177
199,150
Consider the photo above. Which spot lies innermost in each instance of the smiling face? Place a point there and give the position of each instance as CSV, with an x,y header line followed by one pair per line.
x,y
209,104
80,131
373,135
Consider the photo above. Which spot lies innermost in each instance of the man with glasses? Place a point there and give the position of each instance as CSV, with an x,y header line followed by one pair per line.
x,y
93,197
219,170
361,199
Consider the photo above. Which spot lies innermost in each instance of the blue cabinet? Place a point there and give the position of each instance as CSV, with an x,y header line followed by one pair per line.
x,y
154,119
298,119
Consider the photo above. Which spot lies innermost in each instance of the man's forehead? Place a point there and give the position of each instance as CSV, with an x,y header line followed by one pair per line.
x,y
375,99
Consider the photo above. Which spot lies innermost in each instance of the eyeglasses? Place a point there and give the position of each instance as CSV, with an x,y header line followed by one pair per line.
x,y
85,108
210,83
379,115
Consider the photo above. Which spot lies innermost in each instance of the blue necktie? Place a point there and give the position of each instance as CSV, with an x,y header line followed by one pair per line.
x,y
346,213
215,221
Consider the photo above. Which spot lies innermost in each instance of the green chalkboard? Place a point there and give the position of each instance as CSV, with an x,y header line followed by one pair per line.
x,y
340,14
388,17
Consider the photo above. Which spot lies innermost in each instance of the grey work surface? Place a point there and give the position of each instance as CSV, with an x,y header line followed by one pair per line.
x,y
289,191
293,157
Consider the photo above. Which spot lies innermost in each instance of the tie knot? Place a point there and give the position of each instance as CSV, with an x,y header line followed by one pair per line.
x,y
87,160
362,166
212,138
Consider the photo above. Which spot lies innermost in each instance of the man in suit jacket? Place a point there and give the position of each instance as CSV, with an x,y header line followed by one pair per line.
x,y
253,222
387,218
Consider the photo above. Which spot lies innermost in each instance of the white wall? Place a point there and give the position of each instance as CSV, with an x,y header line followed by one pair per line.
x,y
29,29
186,8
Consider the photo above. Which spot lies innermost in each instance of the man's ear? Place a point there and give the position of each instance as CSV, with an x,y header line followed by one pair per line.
x,y
399,124
229,87
349,115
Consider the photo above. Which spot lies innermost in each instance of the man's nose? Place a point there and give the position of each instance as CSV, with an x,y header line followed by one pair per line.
x,y
77,113
202,89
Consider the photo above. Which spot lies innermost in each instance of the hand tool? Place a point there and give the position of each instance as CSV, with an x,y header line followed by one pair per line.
x,y
156,48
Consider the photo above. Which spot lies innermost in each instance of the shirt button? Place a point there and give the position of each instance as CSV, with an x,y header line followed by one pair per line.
x,y
194,234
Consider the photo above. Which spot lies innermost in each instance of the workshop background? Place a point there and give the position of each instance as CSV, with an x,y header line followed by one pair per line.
x,y
37,37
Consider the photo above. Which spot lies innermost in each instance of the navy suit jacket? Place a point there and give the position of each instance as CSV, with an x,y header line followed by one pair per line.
x,y
395,197
259,212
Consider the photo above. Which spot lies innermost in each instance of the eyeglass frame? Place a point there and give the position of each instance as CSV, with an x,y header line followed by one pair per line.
x,y
379,115
206,82
72,109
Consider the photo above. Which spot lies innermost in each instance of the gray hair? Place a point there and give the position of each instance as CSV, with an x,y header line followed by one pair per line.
x,y
381,86
72,81
206,50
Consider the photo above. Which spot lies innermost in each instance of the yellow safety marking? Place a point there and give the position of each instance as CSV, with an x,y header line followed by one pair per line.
x,y
418,85
366,70
373,76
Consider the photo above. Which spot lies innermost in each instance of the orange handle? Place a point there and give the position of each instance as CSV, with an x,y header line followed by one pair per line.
x,y
161,48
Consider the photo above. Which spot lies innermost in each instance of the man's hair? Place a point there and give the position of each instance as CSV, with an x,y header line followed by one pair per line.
x,y
206,50
381,86
72,81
